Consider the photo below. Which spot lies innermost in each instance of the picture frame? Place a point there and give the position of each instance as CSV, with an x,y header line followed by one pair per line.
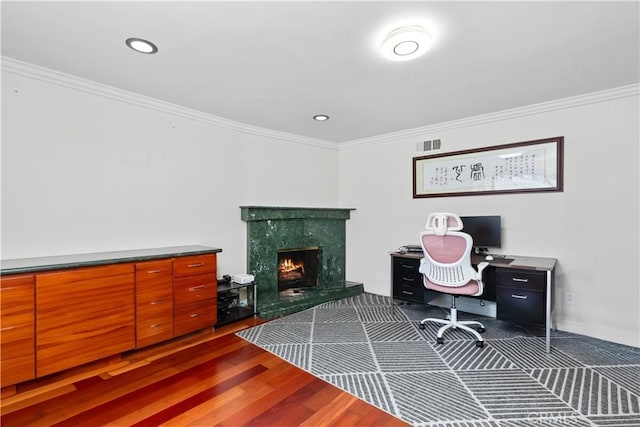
x,y
521,167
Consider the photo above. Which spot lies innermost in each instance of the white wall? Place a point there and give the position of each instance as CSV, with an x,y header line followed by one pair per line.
x,y
591,227
83,173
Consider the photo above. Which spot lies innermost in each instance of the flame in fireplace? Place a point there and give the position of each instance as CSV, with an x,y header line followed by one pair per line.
x,y
289,270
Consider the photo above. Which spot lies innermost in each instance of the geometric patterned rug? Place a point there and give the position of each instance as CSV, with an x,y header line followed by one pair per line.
x,y
376,351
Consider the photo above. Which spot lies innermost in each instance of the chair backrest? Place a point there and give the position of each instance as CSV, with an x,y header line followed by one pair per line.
x,y
447,253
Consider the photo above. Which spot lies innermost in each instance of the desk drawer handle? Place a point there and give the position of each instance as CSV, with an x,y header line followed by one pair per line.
x,y
196,265
407,279
407,292
154,271
160,301
196,288
194,315
407,266
519,296
156,325
516,279
7,328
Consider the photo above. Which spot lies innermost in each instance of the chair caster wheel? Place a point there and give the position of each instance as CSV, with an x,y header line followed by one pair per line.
x,y
480,344
422,326
439,341
481,329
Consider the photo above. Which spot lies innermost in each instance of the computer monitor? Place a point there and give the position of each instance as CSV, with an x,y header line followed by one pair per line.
x,y
484,230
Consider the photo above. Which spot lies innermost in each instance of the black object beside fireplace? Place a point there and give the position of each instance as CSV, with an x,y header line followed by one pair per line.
x,y
297,269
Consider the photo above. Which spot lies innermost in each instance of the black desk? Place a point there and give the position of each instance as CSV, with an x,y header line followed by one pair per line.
x,y
522,288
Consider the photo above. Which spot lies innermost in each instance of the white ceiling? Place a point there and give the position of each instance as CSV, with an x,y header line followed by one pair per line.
x,y
276,64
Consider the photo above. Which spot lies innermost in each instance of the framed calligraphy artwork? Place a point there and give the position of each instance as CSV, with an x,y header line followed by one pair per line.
x,y
521,167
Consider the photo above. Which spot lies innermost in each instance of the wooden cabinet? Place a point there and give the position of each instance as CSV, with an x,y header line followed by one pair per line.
x,y
61,312
154,302
17,361
83,315
194,291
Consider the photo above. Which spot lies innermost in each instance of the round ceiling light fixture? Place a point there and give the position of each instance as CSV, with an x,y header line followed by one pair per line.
x,y
321,117
406,43
141,45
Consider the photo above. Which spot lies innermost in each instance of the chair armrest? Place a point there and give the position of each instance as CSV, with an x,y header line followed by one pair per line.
x,y
481,267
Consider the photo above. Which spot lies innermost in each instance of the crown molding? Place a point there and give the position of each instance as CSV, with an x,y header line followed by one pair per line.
x,y
543,107
58,78
77,83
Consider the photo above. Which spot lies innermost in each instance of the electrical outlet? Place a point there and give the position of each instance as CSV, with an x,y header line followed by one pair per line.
x,y
570,298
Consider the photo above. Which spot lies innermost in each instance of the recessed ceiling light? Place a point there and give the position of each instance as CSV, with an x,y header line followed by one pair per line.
x,y
141,45
406,43
321,117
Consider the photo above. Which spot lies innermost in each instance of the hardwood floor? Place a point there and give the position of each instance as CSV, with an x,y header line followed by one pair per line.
x,y
206,379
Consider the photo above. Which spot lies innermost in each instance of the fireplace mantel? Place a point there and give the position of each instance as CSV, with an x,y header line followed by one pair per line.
x,y
272,228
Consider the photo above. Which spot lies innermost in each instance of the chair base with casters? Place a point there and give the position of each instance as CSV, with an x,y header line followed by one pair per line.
x,y
453,322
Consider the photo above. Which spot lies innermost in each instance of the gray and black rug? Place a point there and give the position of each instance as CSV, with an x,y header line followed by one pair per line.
x,y
379,354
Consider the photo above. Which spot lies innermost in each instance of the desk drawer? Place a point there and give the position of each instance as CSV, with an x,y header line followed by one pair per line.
x,y
406,279
406,270
521,279
408,292
520,305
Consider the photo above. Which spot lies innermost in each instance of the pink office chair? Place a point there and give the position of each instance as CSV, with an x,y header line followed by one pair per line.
x,y
446,267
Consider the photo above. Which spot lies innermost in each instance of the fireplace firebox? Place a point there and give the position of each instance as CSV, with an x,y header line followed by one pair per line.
x,y
297,269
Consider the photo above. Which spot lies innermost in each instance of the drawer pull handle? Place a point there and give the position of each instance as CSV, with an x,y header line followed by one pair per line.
x,y
194,315
156,325
160,301
519,296
154,271
516,279
196,288
406,279
407,292
7,328
407,266
196,265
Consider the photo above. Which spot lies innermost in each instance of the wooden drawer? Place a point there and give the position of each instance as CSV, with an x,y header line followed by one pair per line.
x,y
192,265
17,329
154,324
520,305
82,315
195,316
521,279
154,282
193,289
154,302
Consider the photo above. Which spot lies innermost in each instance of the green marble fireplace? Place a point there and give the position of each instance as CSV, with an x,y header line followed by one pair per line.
x,y
270,229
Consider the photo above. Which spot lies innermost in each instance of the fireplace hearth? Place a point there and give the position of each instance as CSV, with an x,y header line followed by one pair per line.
x,y
275,236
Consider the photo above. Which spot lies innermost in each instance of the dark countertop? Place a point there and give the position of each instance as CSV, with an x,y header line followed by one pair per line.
x,y
61,262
